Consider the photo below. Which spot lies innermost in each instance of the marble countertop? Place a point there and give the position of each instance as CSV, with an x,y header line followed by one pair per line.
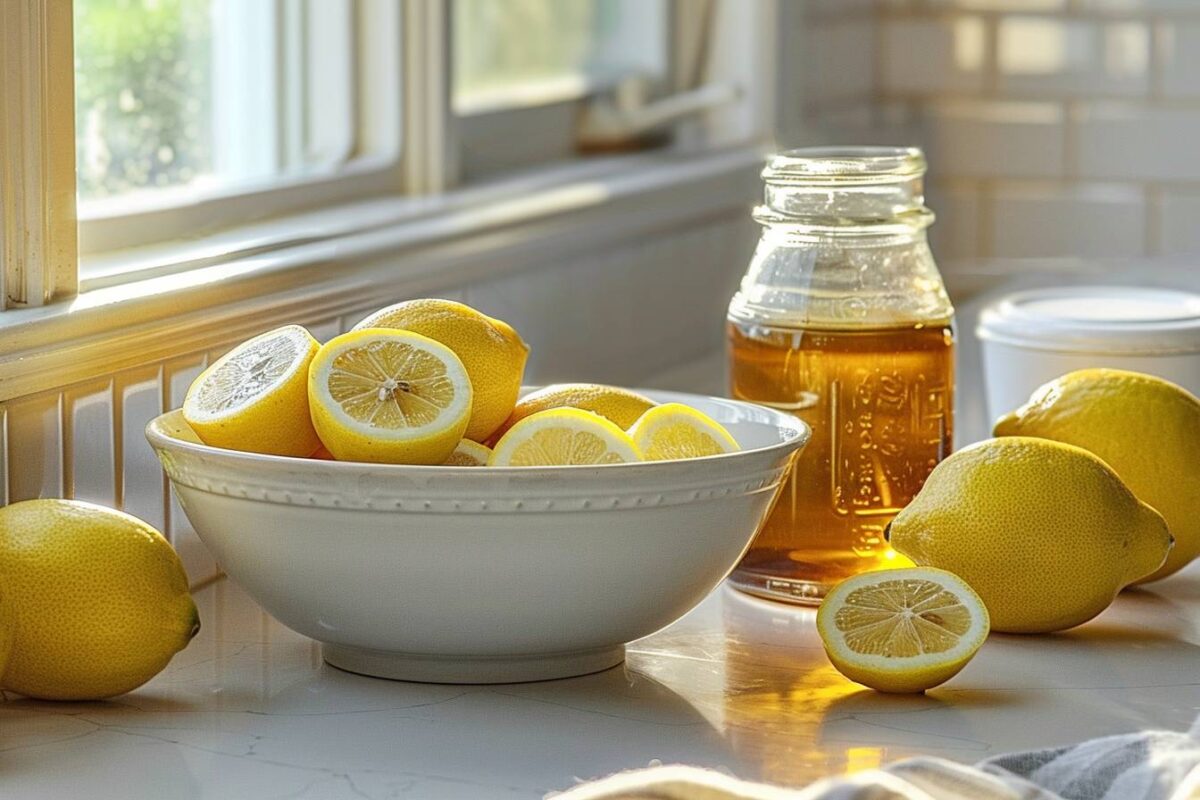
x,y
250,711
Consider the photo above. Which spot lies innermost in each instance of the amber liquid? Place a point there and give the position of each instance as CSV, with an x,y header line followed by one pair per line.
x,y
880,406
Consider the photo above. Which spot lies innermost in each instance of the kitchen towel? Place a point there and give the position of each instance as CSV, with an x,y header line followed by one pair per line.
x,y
1152,765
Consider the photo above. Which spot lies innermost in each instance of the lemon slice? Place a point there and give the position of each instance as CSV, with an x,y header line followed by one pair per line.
x,y
902,630
468,454
254,397
389,396
673,430
563,436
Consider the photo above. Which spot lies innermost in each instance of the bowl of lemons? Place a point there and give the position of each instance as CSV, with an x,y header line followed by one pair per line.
x,y
397,495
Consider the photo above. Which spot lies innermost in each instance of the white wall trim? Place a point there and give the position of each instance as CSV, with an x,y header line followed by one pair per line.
x,y
37,152
134,323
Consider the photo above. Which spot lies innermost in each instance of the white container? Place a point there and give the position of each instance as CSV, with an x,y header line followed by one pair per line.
x,y
481,574
1032,337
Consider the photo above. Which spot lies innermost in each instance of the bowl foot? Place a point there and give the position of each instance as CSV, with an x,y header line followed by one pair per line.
x,y
470,669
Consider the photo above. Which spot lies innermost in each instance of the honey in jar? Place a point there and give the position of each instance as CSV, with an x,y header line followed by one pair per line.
x,y
842,319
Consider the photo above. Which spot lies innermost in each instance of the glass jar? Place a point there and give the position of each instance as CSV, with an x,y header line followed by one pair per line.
x,y
842,319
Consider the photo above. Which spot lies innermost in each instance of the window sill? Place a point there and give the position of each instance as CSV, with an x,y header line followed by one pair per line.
x,y
345,257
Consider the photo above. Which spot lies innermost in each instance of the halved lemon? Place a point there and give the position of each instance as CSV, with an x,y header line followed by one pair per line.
x,y
621,406
563,436
389,396
469,454
673,430
902,630
490,349
254,397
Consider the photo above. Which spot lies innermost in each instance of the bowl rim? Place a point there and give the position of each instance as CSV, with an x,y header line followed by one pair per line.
x,y
796,435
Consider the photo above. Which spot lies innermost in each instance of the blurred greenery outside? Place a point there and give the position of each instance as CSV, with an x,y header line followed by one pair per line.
x,y
143,94
144,76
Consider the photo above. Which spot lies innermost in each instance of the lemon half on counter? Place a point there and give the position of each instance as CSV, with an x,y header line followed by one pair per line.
x,y
904,630
389,396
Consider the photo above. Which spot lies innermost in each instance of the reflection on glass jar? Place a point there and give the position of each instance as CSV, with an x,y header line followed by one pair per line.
x,y
842,319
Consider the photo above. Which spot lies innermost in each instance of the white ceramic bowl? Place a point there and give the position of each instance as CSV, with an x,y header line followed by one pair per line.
x,y
481,575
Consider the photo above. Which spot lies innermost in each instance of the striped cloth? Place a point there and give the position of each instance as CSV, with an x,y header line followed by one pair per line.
x,y
1153,765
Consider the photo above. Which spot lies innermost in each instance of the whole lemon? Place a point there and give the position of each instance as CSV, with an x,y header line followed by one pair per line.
x,y
620,406
492,352
100,600
1046,533
1144,427
8,629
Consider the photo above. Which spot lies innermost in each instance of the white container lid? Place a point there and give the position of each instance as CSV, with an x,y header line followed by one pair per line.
x,y
1096,319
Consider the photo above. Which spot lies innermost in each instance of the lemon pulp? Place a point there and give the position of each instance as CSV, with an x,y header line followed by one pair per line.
x,y
901,618
249,373
673,431
255,398
903,630
389,396
390,384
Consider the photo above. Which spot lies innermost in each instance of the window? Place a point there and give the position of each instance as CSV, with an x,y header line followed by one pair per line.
x,y
523,70
202,94
194,115
517,52
203,129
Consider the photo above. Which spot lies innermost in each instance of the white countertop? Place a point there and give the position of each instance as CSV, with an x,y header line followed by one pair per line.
x,y
249,710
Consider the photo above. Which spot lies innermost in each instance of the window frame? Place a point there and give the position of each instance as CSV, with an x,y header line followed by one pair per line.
x,y
420,115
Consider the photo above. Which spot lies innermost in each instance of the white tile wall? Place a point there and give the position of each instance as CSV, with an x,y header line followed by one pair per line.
x,y
1068,221
836,66
972,139
1050,56
621,315
1136,143
1135,6
1053,127
1179,224
936,54
956,232
1179,45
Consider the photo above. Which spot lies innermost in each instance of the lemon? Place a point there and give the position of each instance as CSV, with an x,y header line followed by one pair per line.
x,y
562,436
255,397
902,630
673,430
101,600
492,352
8,628
468,454
1045,532
389,396
1144,427
620,406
